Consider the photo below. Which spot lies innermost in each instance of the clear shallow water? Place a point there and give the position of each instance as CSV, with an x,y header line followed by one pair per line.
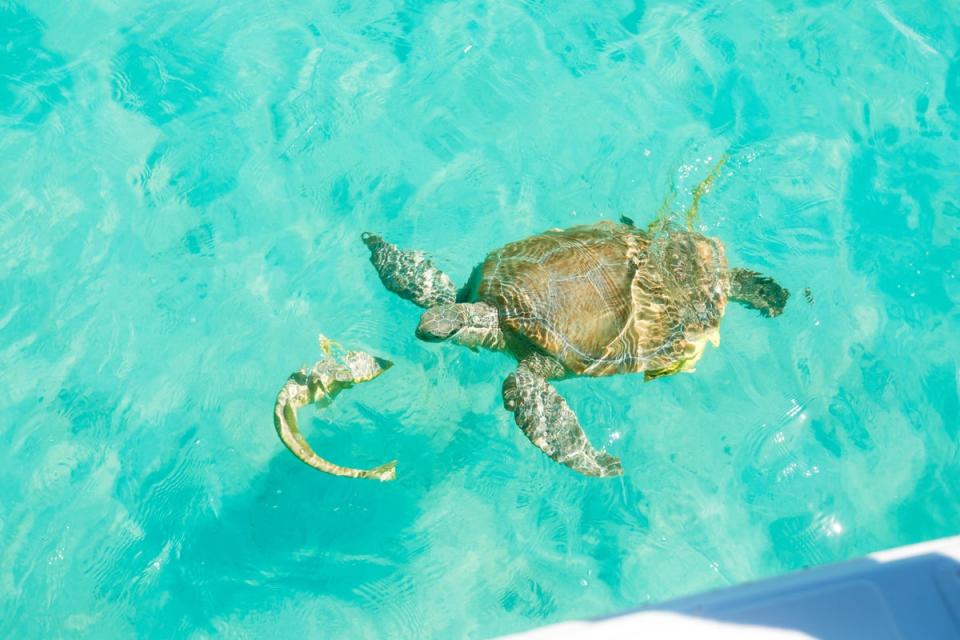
x,y
182,197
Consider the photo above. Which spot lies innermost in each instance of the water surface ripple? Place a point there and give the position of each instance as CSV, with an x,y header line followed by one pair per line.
x,y
182,192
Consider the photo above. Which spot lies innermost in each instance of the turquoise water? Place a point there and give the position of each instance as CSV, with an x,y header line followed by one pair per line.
x,y
181,198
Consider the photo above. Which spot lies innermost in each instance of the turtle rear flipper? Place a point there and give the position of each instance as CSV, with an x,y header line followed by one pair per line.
x,y
547,420
409,274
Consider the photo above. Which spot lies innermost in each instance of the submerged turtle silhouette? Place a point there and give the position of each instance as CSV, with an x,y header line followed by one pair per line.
x,y
591,300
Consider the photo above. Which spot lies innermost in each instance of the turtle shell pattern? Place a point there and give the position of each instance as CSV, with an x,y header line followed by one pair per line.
x,y
608,298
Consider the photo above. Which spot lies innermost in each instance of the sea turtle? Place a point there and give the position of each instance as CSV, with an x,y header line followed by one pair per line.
x,y
591,300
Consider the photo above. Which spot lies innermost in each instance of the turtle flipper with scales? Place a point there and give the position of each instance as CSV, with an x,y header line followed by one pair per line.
x,y
592,300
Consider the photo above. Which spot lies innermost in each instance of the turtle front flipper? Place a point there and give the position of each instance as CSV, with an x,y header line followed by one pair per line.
x,y
547,420
409,274
757,291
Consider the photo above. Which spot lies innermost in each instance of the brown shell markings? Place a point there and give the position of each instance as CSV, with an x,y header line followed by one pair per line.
x,y
608,298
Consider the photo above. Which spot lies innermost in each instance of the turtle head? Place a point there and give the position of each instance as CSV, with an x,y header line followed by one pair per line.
x,y
758,291
469,324
441,322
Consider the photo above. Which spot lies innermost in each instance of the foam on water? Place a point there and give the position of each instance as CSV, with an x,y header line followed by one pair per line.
x,y
181,200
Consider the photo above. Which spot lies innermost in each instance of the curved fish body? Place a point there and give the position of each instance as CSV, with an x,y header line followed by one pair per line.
x,y
336,371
